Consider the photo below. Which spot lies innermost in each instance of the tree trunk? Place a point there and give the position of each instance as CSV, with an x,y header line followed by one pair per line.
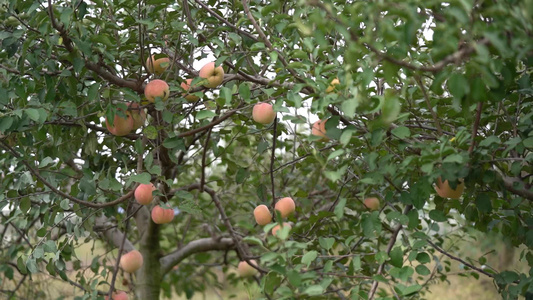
x,y
148,283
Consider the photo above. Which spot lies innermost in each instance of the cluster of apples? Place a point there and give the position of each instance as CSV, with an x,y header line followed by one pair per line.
x,y
135,118
157,88
143,195
285,206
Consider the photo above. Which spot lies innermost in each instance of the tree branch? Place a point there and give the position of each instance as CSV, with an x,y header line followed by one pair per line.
x,y
61,193
193,247
392,240
460,260
454,58
112,233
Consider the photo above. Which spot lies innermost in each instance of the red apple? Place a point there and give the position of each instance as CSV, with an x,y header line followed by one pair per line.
x,y
262,215
445,190
154,65
371,203
214,76
131,261
285,206
121,126
143,193
245,270
263,113
277,227
162,215
119,296
156,88
319,129
186,85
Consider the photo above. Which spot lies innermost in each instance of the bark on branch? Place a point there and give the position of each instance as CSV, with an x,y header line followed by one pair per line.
x,y
196,246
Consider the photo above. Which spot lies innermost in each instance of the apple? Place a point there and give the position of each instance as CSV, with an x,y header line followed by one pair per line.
x,y
262,215
138,115
332,85
154,65
285,206
118,296
245,270
278,227
263,113
371,203
186,85
214,76
445,190
162,215
319,129
156,88
121,126
131,261
143,193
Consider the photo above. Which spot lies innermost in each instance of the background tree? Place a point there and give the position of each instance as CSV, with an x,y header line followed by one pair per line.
x,y
414,93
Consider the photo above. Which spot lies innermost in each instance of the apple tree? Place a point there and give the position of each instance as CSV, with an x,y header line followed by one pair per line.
x,y
425,132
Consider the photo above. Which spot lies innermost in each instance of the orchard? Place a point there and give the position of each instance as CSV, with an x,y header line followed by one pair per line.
x,y
265,149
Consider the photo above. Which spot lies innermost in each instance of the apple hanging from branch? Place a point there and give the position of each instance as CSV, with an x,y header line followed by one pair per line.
x,y
213,75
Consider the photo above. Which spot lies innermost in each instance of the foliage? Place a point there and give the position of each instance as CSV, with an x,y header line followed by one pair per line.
x,y
427,90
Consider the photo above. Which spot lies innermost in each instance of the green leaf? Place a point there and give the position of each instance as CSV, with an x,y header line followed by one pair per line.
x,y
242,174
401,132
422,270
25,204
326,243
252,241
437,215
396,256
150,132
411,289
371,225
339,208
64,204
391,107
31,265
143,178
205,114
528,143
5,123
188,206
173,142
309,257
33,114
458,85
38,252
483,203
314,290
244,91
423,258
349,106
507,277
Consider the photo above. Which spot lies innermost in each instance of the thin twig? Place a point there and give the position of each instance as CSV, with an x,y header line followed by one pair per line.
x,y
61,193
272,159
428,103
120,249
476,126
392,240
462,261
204,155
